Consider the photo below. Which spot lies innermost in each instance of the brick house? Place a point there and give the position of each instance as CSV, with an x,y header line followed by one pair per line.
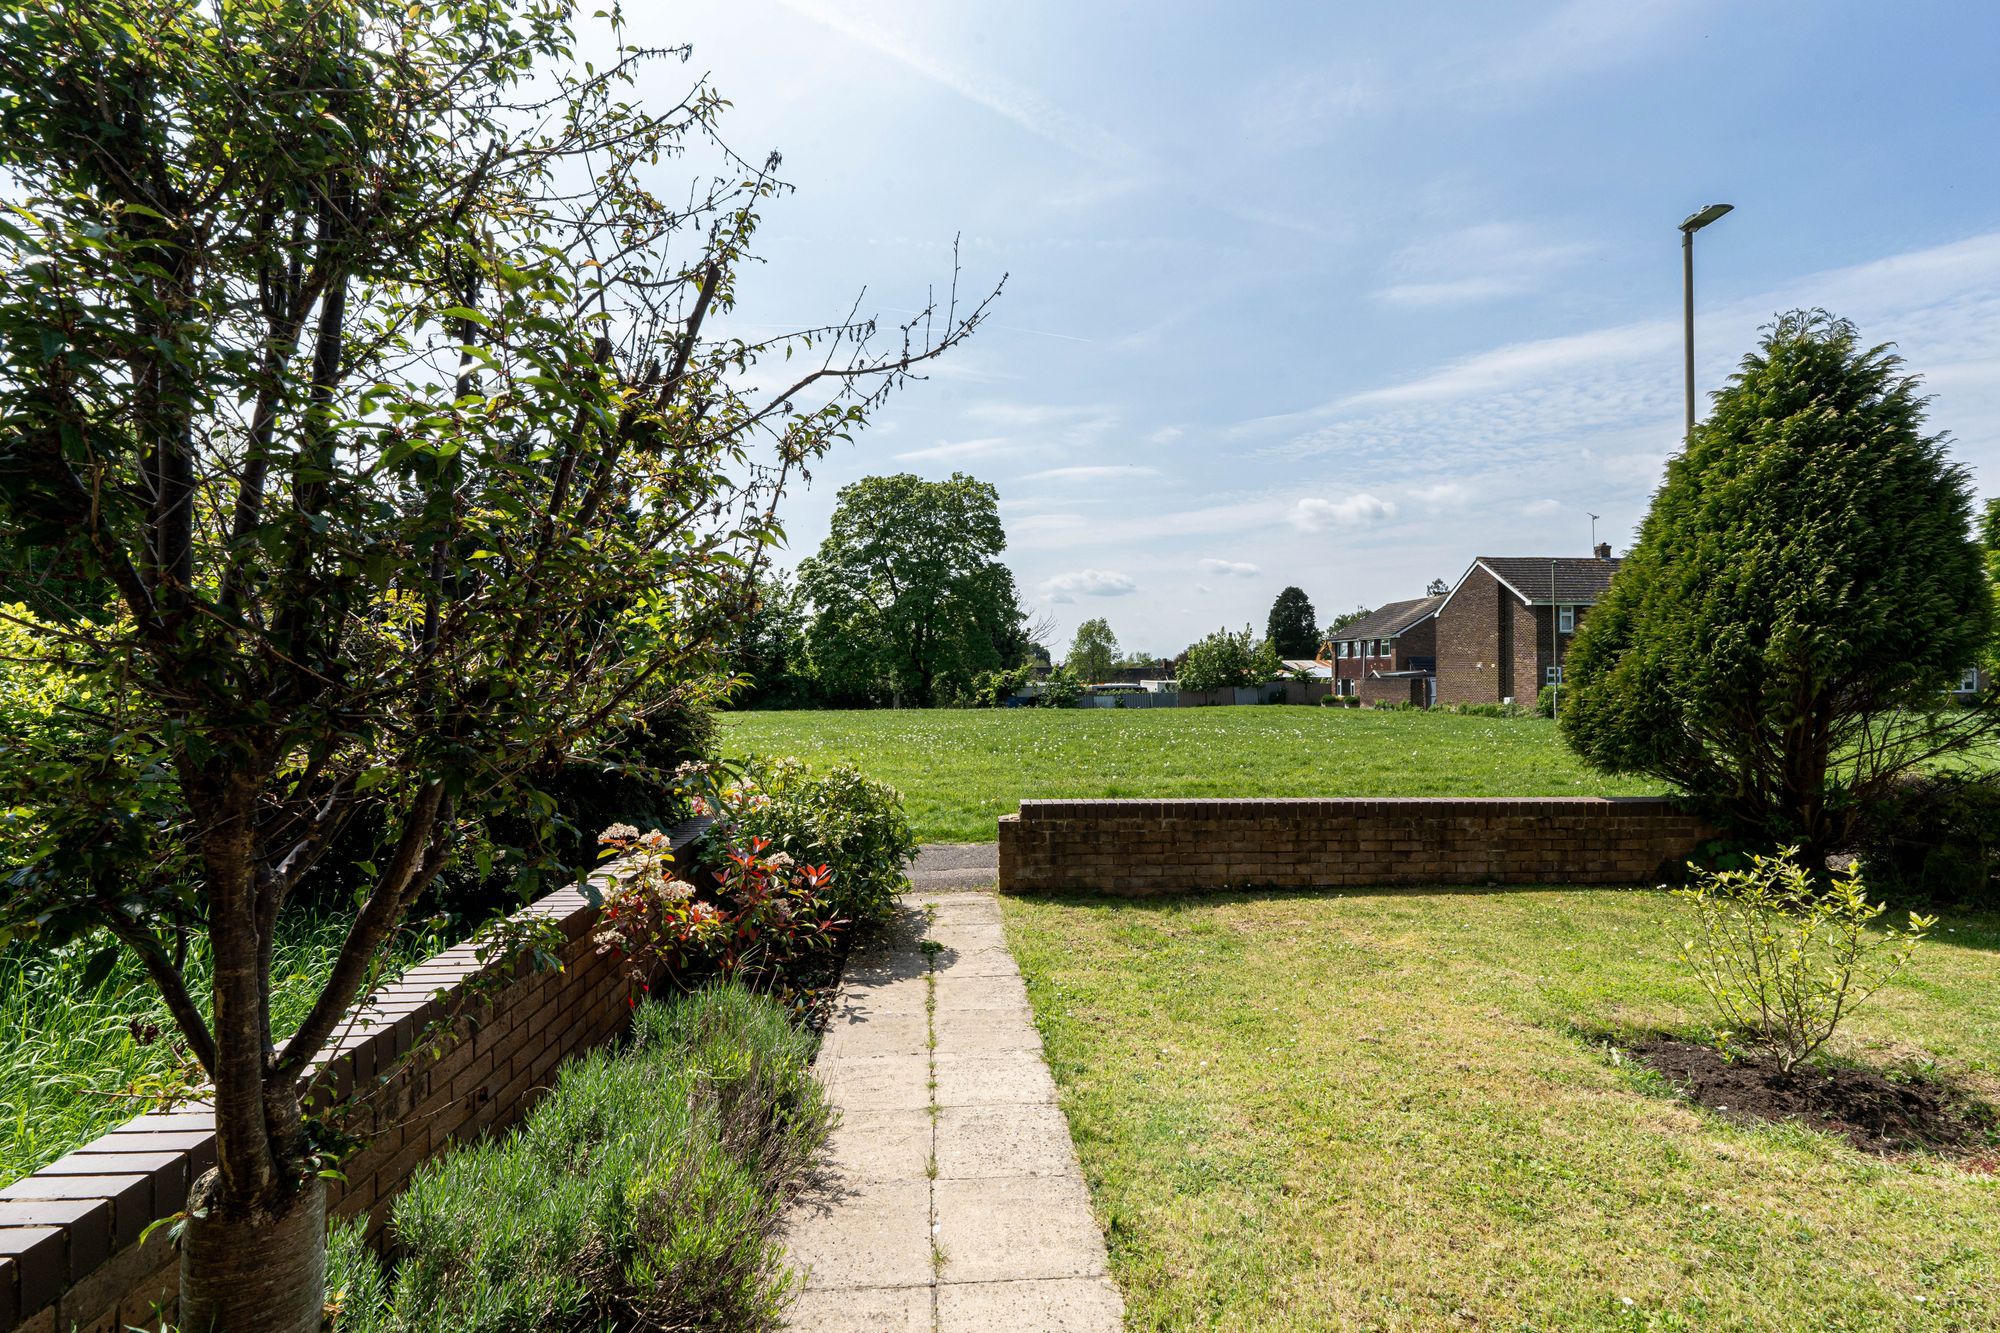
x,y
1389,655
1502,631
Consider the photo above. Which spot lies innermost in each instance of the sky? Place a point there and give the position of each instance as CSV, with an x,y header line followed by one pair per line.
x,y
1346,295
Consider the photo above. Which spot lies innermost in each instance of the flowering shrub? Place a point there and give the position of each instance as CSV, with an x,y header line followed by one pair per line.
x,y
838,819
755,918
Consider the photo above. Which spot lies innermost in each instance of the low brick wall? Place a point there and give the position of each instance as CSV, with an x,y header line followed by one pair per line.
x,y
1156,847
69,1234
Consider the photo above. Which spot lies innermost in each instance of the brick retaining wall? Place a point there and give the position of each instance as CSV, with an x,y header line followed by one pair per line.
x,y
69,1234
1155,847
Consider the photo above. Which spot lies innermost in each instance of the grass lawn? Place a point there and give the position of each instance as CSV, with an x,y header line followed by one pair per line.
x,y
1399,1111
960,769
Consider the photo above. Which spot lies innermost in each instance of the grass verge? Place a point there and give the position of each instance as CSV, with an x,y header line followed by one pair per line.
x,y
77,1060
1399,1111
960,769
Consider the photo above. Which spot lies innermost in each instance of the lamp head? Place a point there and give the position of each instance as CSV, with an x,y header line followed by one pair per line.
x,y
1706,216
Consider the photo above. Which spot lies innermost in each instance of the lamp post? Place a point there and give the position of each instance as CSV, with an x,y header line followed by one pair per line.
x,y
1688,229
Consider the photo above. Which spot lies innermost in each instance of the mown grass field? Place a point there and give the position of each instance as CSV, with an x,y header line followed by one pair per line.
x,y
1404,1110
960,770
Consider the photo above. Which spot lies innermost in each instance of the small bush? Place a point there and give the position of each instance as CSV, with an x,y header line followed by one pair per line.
x,y
1785,960
643,1191
838,818
1545,702
1061,689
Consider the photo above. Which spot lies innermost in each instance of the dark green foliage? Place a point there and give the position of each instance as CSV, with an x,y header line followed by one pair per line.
x,y
1061,689
1344,619
644,1191
1936,835
1293,629
837,818
992,689
1803,591
771,651
1545,701
909,594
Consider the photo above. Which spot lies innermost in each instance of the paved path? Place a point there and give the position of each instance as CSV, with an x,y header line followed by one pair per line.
x,y
941,866
953,1201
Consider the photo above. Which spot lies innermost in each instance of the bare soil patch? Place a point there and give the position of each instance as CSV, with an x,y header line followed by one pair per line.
x,y
1876,1113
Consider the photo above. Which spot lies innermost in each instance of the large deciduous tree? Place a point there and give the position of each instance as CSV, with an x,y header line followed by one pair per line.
x,y
1802,593
354,350
909,595
1093,652
1293,628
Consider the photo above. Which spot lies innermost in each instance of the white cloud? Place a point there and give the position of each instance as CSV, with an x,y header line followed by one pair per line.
x,y
1235,569
1314,514
1088,583
1099,473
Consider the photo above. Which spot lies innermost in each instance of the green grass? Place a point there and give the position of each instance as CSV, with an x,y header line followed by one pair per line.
x,y
73,1058
959,770
1393,1111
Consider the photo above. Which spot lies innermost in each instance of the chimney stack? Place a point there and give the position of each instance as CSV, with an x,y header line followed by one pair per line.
x,y
1604,550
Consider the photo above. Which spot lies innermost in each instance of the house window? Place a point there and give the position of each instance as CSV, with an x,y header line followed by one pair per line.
x,y
1552,675
1566,619
1381,647
1969,682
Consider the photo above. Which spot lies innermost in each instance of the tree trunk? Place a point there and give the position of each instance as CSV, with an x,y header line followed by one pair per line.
x,y
256,1270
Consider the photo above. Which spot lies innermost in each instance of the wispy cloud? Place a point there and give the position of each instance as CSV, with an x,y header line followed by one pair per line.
x,y
868,26
948,450
1443,495
1236,569
1477,263
1104,472
1065,588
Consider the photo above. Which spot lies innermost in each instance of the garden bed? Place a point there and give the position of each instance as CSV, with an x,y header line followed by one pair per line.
x,y
1873,1111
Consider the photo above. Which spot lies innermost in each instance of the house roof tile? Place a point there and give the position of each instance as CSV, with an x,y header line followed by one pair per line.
x,y
1578,580
1385,621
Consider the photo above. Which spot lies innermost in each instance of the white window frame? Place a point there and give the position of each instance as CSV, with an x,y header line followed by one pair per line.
x,y
1566,619
1969,682
1552,675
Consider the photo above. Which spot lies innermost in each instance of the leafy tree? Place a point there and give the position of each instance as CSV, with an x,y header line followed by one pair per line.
x,y
908,590
346,345
1224,660
1093,651
1293,629
1803,591
1437,587
1343,620
770,651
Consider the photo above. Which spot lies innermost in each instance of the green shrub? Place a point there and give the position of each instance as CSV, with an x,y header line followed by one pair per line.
x,y
838,818
1786,959
1061,689
1224,661
1937,834
1545,702
643,1191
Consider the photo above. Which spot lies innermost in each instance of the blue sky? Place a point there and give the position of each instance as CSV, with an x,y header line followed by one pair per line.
x,y
1345,295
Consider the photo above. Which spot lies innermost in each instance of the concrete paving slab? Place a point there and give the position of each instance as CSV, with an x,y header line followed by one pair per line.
x,y
969,937
986,1031
850,1034
899,995
992,1142
859,1235
876,1082
880,1147
965,990
982,963
999,1230
1057,1305
863,1310
1007,1078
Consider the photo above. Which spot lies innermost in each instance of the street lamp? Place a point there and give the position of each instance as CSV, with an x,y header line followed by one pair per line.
x,y
1688,229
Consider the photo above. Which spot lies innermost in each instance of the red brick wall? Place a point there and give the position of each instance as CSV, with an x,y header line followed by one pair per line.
x,y
1470,669
1160,847
69,1251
